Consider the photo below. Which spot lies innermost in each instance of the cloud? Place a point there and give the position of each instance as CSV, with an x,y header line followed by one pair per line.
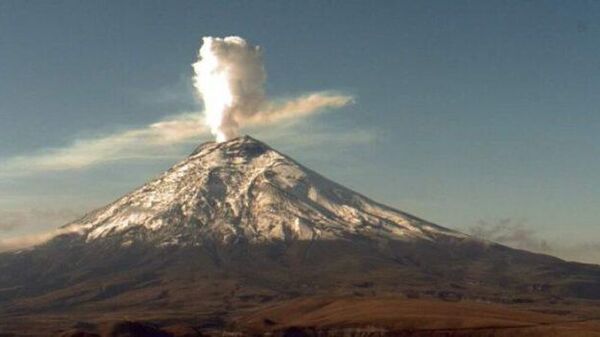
x,y
308,136
230,77
511,232
8,225
152,141
18,221
298,108
129,144
30,240
515,233
12,220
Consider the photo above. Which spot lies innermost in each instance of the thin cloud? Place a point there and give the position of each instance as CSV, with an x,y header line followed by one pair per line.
x,y
297,108
14,222
152,140
511,232
308,136
11,221
30,240
515,233
10,225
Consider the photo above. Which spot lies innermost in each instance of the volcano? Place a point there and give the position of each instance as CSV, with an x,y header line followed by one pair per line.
x,y
243,191
238,225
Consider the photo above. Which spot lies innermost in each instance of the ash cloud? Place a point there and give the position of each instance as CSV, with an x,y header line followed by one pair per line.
x,y
512,233
12,222
230,78
517,234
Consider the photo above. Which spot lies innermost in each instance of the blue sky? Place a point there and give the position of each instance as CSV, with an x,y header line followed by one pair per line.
x,y
464,111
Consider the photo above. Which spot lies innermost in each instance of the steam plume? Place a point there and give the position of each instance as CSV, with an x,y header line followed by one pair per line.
x,y
230,77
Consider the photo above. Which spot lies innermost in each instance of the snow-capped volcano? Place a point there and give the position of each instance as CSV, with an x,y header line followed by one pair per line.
x,y
243,190
237,225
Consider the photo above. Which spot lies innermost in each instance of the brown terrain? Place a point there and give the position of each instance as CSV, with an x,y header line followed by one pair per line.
x,y
393,316
328,316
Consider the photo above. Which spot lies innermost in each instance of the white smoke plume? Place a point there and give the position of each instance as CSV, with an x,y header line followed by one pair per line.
x,y
230,77
157,139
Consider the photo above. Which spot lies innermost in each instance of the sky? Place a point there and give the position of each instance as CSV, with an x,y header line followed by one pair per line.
x,y
478,116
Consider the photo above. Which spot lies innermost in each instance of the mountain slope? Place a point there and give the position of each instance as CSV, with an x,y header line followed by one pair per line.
x,y
238,224
244,190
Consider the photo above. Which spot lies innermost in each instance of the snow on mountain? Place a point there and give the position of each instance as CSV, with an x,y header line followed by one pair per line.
x,y
244,190
238,223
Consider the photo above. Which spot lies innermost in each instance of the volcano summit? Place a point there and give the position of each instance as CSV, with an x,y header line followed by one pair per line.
x,y
238,225
244,191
